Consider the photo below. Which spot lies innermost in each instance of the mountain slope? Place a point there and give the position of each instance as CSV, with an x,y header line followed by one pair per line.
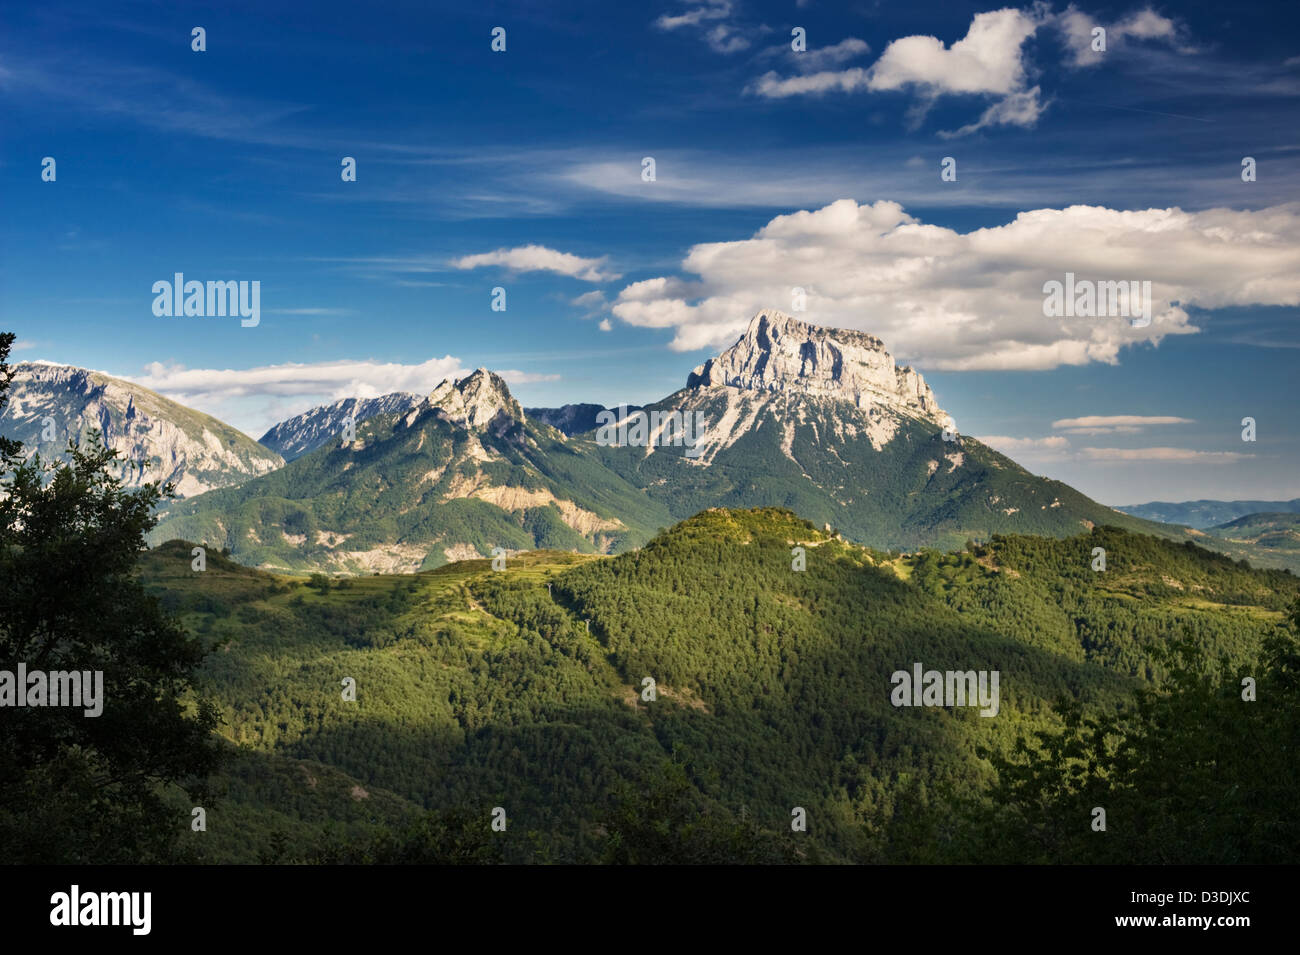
x,y
821,421
458,475
296,436
158,439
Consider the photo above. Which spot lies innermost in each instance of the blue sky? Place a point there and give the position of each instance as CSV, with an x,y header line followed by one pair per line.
x,y
820,169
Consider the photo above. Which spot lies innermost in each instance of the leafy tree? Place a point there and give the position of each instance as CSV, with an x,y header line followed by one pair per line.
x,y
79,788
457,836
9,448
665,824
1192,773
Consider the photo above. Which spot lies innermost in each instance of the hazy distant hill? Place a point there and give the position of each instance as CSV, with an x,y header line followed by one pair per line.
x,y
1266,539
1203,514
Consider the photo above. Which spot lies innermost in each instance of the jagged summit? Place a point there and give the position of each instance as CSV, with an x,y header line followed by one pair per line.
x,y
779,353
303,433
477,401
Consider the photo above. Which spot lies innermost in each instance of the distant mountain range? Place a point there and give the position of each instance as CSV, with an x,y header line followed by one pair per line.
x,y
817,420
820,421
296,436
1203,514
158,439
460,474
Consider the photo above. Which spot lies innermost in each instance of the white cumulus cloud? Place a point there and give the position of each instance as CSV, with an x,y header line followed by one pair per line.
x,y
990,60
987,61
974,300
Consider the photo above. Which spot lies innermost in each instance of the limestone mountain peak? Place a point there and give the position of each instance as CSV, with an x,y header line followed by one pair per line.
x,y
778,353
476,401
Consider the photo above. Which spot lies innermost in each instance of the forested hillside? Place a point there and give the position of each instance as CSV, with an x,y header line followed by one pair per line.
x,y
523,689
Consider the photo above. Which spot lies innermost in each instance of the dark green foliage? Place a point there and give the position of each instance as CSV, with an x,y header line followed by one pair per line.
x,y
479,688
9,448
89,789
460,836
1192,773
667,824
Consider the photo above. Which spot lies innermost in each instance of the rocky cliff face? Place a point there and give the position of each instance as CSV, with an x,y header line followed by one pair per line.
x,y
479,401
301,434
780,354
158,439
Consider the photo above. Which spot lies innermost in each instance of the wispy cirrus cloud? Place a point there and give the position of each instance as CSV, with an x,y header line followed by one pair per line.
x,y
694,16
1057,449
1120,455
1079,29
711,17
151,97
1115,424
824,57
797,178
539,258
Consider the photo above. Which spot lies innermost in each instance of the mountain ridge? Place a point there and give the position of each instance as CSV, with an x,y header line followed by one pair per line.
x,y
791,415
462,474
158,439
293,437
